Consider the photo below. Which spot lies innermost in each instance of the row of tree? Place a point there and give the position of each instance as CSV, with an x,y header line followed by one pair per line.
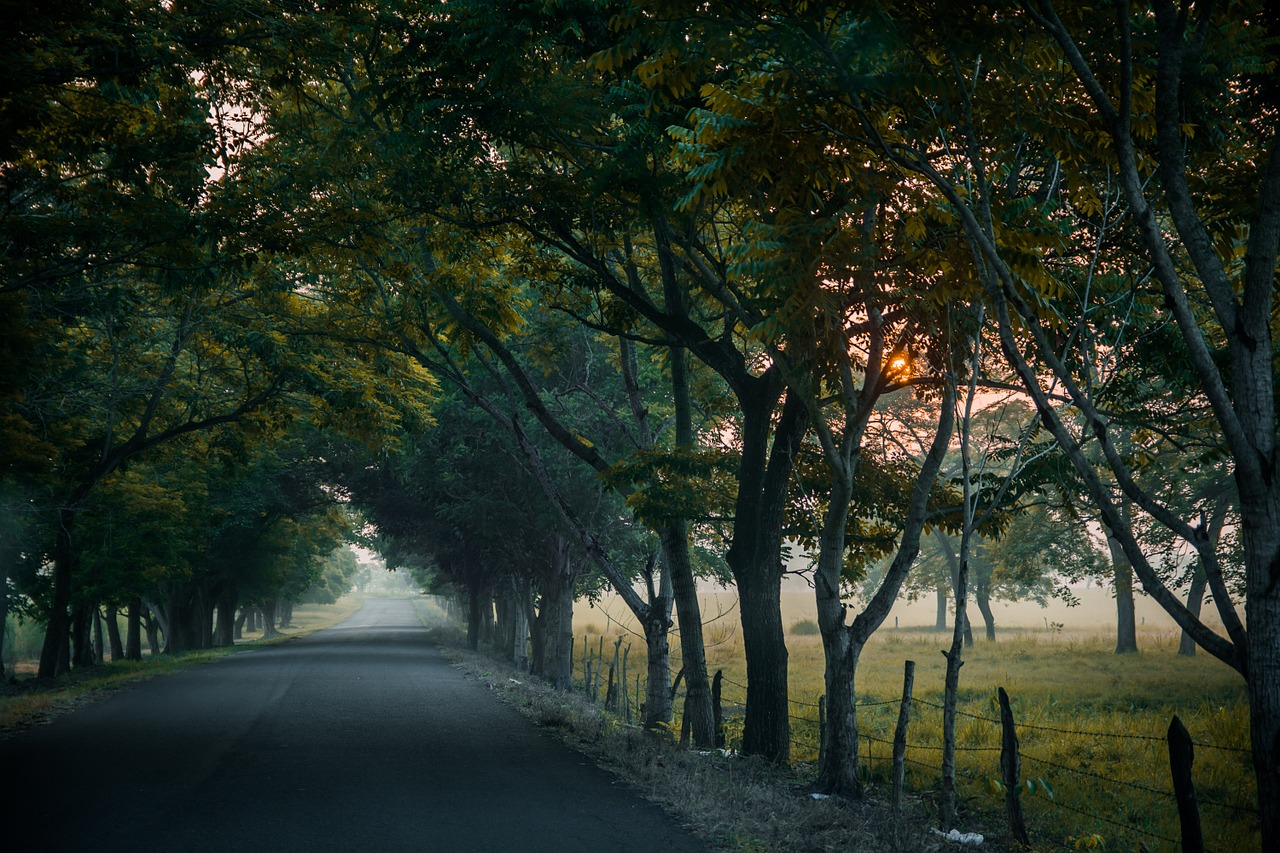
x,y
671,270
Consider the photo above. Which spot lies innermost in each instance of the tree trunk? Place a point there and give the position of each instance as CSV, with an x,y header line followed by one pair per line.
x,y
1200,579
678,566
557,613
556,620
113,633
1261,537
940,607
4,605
226,607
286,613
755,558
55,654
537,639
503,635
237,630
81,627
152,625
269,619
474,600
518,616
842,643
657,701
1126,622
982,597
133,630
99,643
767,730
693,654
950,691
1195,601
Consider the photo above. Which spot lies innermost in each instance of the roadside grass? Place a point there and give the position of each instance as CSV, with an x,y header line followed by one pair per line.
x,y
1092,728
28,701
732,803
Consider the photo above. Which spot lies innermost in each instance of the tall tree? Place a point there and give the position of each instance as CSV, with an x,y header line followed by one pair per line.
x,y
1140,100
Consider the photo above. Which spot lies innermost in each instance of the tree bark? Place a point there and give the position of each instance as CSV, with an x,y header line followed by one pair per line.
x,y
982,597
99,644
940,607
113,633
152,625
555,617
1126,622
133,630
474,601
755,559
951,689
678,566
226,608
842,643
81,627
55,654
693,655
657,700
1195,602
269,619
4,604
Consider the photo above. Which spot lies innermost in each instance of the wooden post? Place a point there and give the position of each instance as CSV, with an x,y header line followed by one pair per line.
x,y
717,714
595,690
1181,755
822,729
900,746
1011,769
622,686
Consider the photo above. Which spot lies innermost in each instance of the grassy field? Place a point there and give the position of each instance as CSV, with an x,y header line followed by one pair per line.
x,y
27,702
1091,724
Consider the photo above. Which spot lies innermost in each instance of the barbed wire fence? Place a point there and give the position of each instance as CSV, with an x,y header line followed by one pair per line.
x,y
1139,804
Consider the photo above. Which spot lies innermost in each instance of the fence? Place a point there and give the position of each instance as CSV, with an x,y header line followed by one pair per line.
x,y
1106,785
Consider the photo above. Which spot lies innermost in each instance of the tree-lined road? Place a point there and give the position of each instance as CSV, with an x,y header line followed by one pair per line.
x,y
361,737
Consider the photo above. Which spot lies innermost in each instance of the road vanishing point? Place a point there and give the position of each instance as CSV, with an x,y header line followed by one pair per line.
x,y
361,737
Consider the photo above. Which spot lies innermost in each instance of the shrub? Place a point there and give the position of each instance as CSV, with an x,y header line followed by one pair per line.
x,y
804,627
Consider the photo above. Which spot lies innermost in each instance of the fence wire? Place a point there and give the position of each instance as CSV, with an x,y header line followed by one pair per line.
x,y
803,736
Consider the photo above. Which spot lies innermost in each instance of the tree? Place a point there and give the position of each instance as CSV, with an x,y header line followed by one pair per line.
x,y
1143,97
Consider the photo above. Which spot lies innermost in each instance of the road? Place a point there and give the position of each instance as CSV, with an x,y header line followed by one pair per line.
x,y
360,737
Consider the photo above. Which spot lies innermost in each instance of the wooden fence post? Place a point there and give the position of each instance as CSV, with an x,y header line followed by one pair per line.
x,y
717,714
622,686
900,746
822,729
1181,755
1011,768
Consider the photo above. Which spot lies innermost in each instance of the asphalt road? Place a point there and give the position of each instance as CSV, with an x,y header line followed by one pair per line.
x,y
358,738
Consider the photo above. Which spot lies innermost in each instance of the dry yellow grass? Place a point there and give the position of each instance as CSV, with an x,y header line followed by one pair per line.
x,y
1092,724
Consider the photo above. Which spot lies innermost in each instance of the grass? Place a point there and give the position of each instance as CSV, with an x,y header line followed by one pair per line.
x,y
28,701
1091,724
730,802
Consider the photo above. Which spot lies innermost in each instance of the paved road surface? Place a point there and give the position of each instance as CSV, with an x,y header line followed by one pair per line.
x,y
358,738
